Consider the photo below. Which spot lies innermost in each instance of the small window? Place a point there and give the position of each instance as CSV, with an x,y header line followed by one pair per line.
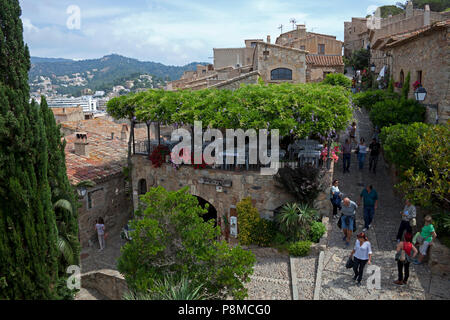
x,y
321,49
419,76
281,74
142,187
253,44
302,47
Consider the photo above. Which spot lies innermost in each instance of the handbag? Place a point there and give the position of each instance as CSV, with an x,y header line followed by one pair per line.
x,y
413,222
350,263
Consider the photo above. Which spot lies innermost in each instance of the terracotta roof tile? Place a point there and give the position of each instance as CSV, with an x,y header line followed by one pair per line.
x,y
322,60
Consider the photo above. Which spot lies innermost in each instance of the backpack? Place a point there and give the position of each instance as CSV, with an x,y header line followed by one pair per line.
x,y
402,256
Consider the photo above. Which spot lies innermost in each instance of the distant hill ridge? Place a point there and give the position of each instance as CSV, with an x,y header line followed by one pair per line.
x,y
109,68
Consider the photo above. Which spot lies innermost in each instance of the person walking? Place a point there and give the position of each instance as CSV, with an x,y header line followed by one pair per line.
x,y
408,215
335,198
373,156
352,133
346,155
348,219
362,255
361,152
370,197
100,227
406,253
428,234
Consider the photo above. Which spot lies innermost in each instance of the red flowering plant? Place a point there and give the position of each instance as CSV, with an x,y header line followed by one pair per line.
x,y
416,85
398,85
335,151
158,156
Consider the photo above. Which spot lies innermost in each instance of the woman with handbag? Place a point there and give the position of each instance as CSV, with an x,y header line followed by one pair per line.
x,y
362,255
405,254
361,152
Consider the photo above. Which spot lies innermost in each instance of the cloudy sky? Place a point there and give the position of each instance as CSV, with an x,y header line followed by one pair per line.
x,y
173,32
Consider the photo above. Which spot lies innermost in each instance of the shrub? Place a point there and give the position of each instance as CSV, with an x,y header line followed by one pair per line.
x,y
249,220
406,86
300,248
302,182
264,233
279,238
428,185
337,79
400,142
171,238
295,221
368,99
390,112
318,229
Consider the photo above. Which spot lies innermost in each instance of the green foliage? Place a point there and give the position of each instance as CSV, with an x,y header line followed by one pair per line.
x,y
406,86
390,10
369,98
337,79
390,88
441,221
295,221
29,257
300,248
435,5
360,59
390,112
172,288
264,233
171,237
298,109
249,221
400,143
318,229
302,182
428,184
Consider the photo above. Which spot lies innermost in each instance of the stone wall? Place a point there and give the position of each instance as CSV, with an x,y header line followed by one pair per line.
x,y
270,57
428,53
109,283
317,73
233,84
108,200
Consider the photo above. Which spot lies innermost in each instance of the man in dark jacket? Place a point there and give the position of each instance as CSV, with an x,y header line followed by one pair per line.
x,y
374,153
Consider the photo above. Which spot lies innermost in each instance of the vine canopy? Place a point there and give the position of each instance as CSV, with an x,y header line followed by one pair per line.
x,y
301,110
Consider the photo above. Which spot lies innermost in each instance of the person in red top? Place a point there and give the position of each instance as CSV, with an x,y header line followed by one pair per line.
x,y
403,262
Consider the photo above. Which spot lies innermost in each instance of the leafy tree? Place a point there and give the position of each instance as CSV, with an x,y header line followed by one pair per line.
x,y
394,111
390,10
430,186
338,79
400,143
360,59
28,232
171,238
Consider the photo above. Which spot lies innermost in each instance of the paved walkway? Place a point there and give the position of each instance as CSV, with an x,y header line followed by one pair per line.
x,y
337,283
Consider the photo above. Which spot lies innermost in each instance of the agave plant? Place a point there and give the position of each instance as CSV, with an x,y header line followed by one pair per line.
x,y
172,288
295,220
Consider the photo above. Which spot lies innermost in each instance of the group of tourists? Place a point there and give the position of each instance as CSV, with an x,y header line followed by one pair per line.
x,y
361,150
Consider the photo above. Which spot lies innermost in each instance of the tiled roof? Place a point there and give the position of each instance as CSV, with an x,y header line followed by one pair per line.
x,y
401,38
106,156
322,60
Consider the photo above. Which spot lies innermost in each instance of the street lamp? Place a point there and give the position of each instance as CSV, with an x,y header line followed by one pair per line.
x,y
373,67
81,192
420,93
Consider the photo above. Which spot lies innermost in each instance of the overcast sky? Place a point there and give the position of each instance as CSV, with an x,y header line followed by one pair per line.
x,y
174,32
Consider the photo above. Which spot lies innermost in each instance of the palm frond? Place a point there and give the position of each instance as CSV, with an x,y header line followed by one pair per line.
x,y
65,249
64,205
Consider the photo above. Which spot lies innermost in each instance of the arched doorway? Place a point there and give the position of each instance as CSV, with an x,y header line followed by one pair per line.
x,y
212,212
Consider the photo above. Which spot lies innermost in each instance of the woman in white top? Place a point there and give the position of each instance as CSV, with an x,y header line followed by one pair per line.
x,y
362,151
100,227
362,254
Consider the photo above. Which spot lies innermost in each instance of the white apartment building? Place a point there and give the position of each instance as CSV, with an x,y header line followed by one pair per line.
x,y
88,103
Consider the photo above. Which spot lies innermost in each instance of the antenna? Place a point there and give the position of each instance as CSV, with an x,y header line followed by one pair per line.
x,y
293,21
281,28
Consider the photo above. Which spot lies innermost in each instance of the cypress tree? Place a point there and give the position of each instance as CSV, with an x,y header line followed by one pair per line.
x,y
28,231
61,189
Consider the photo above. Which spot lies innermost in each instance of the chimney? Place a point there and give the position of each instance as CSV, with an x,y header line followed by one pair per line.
x,y
268,39
81,144
427,16
124,132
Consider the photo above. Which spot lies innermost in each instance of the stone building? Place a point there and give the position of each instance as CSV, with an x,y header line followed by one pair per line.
x,y
354,36
68,114
425,54
318,66
96,150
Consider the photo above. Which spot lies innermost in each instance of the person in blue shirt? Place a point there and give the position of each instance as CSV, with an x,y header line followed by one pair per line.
x,y
370,197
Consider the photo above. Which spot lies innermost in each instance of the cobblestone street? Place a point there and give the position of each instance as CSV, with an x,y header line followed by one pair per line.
x,y
337,281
